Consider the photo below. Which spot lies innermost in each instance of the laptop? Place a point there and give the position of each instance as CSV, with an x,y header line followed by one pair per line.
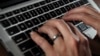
x,y
19,17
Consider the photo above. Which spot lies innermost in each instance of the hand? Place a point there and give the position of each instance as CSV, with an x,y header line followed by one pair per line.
x,y
86,14
90,17
69,43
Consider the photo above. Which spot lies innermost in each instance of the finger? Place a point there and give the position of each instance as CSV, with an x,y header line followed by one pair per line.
x,y
84,9
87,19
68,36
77,32
62,27
59,44
83,42
47,48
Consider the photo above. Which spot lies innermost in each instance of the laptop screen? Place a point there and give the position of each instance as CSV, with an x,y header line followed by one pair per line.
x,y
7,3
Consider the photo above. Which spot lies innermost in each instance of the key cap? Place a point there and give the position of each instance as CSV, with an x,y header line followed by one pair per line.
x,y
13,30
36,51
58,12
36,4
63,9
13,20
27,45
9,14
22,26
29,24
39,10
20,17
35,21
16,11
26,15
28,53
2,16
45,8
33,13
5,23
19,38
41,18
23,9
47,16
53,14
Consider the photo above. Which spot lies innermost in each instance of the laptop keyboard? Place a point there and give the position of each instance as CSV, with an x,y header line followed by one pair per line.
x,y
20,22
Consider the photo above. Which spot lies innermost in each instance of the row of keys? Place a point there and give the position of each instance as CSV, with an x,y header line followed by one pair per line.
x,y
34,12
36,51
17,11
44,17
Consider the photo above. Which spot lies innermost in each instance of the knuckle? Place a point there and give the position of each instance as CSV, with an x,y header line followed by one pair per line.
x,y
73,43
82,15
58,22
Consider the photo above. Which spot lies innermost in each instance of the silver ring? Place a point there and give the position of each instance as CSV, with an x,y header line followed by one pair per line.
x,y
55,37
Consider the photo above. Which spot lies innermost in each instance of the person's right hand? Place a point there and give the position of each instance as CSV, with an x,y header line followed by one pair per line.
x,y
86,14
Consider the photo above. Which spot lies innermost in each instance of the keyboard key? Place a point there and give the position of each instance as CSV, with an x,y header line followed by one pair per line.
x,y
47,16
22,26
36,4
35,21
41,18
16,11
2,16
36,51
71,0
13,20
45,8
72,6
9,14
42,2
13,30
61,3
20,18
33,13
48,1
27,45
63,9
29,24
77,4
53,14
50,6
19,38
58,12
81,2
39,10
55,4
30,7
26,15
35,29
5,23
28,53
66,1
28,33
23,9
67,7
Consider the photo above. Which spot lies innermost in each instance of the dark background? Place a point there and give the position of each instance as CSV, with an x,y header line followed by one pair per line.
x,y
6,3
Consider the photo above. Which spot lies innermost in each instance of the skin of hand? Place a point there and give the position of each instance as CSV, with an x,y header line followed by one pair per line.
x,y
86,14
90,17
70,43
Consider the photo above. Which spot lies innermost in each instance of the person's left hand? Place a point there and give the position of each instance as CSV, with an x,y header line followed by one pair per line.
x,y
68,43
